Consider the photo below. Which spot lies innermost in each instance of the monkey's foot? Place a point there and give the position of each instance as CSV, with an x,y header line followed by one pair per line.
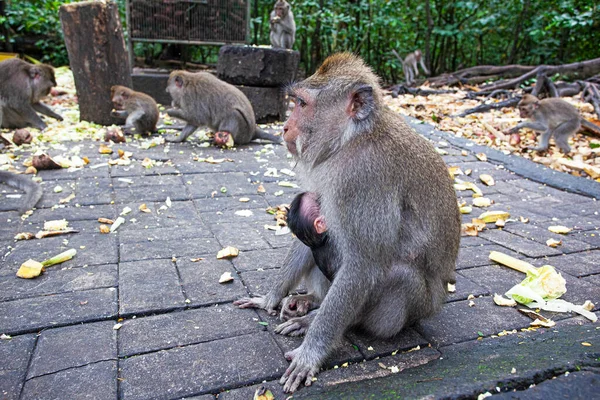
x,y
300,370
256,302
296,326
539,149
297,306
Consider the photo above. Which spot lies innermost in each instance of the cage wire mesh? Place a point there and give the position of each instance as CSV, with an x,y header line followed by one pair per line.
x,y
189,21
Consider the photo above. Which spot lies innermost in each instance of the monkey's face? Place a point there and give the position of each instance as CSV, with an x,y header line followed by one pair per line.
x,y
175,87
281,11
120,95
305,220
42,80
297,128
526,110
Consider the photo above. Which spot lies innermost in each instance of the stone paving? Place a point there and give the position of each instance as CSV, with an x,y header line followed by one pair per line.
x,y
182,338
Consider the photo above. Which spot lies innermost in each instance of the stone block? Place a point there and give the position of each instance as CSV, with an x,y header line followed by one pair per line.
x,y
257,66
269,103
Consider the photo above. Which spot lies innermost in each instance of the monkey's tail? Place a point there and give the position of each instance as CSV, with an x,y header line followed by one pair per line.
x,y
591,126
260,134
33,191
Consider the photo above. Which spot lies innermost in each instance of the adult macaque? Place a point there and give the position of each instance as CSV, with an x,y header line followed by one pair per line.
x,y
283,26
138,109
552,117
33,191
202,100
409,66
22,86
391,214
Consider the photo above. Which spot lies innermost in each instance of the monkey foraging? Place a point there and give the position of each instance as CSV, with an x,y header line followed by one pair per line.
x,y
553,117
22,86
389,210
202,100
283,26
139,110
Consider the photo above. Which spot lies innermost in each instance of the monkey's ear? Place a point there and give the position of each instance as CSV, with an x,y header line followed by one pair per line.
x,y
179,81
34,72
361,103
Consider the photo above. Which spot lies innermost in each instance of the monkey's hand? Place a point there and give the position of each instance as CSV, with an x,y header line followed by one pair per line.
x,y
513,130
302,369
259,301
297,306
296,326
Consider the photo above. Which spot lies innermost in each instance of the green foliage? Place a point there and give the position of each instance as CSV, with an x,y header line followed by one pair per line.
x,y
38,20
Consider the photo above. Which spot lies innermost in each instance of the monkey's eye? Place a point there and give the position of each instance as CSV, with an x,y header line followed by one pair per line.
x,y
300,102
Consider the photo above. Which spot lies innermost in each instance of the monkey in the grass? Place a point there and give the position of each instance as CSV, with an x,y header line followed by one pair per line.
x,y
553,117
394,239
33,191
22,86
203,100
138,109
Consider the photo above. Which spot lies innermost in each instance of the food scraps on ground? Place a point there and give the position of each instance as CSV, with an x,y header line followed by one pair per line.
x,y
31,268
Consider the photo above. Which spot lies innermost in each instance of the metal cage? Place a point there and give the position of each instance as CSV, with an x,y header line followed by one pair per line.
x,y
188,21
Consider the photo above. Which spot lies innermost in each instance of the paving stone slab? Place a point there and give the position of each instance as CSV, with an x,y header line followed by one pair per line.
x,y
15,352
576,385
466,287
259,259
26,315
239,235
201,368
147,286
155,180
591,237
278,241
200,281
152,193
213,204
96,381
204,185
457,322
159,332
158,249
259,217
57,280
500,279
260,282
73,346
476,256
149,235
372,348
593,279
580,264
519,244
74,213
541,235
360,373
137,170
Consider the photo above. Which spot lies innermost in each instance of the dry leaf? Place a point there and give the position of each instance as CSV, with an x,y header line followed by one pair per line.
x,y
196,259
144,208
493,216
105,221
481,156
226,277
228,252
559,229
104,229
487,179
553,242
261,189
104,149
43,234
503,301
30,269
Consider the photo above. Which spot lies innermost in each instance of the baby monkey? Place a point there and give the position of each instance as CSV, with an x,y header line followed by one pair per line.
x,y
138,109
553,117
306,222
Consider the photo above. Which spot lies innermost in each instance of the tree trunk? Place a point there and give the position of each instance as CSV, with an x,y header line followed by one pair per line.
x,y
97,54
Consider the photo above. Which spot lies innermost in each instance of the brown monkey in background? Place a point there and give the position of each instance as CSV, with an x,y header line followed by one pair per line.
x,y
358,156
139,110
283,26
33,191
203,100
552,117
22,86
409,66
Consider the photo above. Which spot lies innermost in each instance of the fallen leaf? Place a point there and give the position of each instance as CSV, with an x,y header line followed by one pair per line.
x,y
144,208
105,221
493,216
104,229
30,269
226,277
487,179
228,252
196,259
563,230
503,301
481,156
104,149
260,189
553,242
